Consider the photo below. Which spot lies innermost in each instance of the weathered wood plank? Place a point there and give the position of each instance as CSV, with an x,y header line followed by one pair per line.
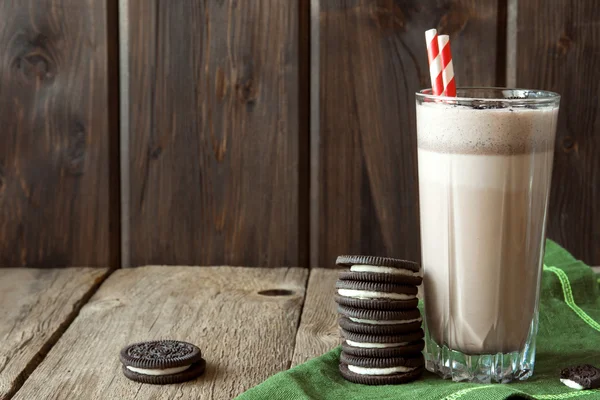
x,y
36,306
245,336
214,126
318,331
558,49
372,61
57,205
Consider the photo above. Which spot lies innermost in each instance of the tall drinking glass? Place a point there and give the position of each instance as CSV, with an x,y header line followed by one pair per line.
x,y
485,164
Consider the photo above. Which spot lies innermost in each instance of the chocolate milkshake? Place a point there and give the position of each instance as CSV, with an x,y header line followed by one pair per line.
x,y
484,177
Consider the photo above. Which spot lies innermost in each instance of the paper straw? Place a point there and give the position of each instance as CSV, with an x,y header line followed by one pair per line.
x,y
447,68
435,62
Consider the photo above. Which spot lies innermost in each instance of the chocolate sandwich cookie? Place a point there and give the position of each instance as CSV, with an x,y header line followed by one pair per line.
x,y
375,295
388,362
380,371
162,362
362,313
380,277
407,350
377,328
376,304
380,269
381,341
581,377
380,316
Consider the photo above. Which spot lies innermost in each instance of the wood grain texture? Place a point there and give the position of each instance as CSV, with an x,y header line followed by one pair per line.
x,y
55,136
214,129
318,331
372,60
558,49
245,337
36,306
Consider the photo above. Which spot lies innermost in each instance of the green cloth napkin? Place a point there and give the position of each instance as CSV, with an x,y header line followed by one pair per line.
x,y
568,335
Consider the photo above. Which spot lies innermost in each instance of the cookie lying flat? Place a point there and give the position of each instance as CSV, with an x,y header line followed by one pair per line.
x,y
380,371
380,269
162,362
581,377
407,350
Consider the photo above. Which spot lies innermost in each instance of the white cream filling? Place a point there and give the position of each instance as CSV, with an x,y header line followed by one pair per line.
x,y
572,384
366,345
157,372
367,294
390,322
384,270
378,371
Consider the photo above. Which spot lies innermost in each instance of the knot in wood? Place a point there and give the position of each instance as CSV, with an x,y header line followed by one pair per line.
x,y
246,91
33,61
568,144
75,152
563,45
454,20
155,152
390,17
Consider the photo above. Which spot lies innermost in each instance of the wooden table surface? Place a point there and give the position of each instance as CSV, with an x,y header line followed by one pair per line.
x,y
61,329
57,341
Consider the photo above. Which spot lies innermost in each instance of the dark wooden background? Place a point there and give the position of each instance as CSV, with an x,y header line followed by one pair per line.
x,y
262,132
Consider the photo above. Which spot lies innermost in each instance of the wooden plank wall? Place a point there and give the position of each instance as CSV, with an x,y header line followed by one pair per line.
x,y
373,60
58,130
558,48
215,133
220,165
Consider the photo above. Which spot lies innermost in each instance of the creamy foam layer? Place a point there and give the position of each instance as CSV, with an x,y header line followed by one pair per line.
x,y
461,129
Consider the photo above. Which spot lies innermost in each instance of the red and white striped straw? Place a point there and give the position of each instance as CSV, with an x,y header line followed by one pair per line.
x,y
447,68
435,62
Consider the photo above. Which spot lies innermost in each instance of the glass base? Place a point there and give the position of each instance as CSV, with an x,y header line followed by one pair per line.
x,y
483,368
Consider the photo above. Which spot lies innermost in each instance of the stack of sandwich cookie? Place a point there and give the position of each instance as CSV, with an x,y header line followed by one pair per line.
x,y
379,320
162,362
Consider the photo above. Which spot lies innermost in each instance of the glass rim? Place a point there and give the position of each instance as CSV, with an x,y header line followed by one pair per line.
x,y
542,96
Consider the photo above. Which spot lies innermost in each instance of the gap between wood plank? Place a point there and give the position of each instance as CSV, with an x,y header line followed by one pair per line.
x,y
53,339
318,329
314,133
114,133
299,320
124,129
304,126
